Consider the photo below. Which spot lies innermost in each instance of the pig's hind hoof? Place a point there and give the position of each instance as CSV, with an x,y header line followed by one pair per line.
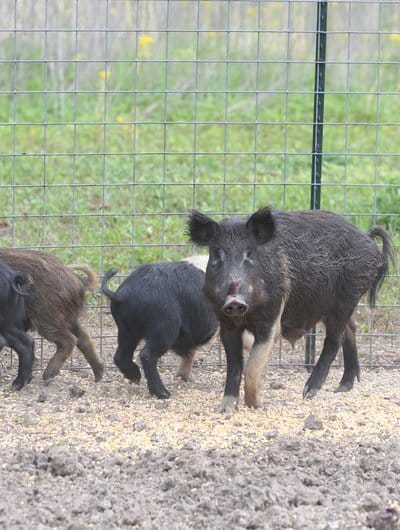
x,y
98,373
49,375
20,382
344,387
184,377
161,394
309,392
133,374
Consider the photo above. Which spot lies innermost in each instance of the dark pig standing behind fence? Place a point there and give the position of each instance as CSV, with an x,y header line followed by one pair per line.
x,y
57,307
15,287
282,272
163,304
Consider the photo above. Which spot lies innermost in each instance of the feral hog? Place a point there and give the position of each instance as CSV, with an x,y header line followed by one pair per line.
x,y
280,272
163,304
57,306
15,287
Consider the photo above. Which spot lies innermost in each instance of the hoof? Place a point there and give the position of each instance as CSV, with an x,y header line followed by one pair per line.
x,y
161,394
251,401
229,405
133,374
313,384
186,378
344,387
19,382
17,386
309,392
50,374
98,373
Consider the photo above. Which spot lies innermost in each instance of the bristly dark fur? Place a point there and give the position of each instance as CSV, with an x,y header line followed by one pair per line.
x,y
387,256
289,271
57,307
163,305
15,288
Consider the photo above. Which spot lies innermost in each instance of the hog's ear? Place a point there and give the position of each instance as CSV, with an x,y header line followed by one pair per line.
x,y
261,225
200,228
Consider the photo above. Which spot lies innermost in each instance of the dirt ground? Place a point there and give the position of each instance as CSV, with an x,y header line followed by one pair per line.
x,y
79,455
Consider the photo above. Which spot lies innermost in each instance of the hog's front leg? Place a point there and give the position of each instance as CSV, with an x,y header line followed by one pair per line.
x,y
258,359
232,342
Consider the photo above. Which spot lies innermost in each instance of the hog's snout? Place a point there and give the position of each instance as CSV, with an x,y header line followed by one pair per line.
x,y
234,306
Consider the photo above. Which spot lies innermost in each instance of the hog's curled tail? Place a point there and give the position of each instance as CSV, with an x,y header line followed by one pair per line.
x,y
110,294
90,282
387,256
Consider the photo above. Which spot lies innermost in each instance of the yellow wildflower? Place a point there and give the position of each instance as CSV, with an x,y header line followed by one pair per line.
x,y
120,119
104,74
395,37
145,40
251,11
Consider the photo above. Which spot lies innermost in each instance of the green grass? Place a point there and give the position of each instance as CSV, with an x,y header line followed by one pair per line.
x,y
123,208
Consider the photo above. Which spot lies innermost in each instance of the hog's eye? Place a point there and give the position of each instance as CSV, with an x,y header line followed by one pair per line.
x,y
217,256
248,257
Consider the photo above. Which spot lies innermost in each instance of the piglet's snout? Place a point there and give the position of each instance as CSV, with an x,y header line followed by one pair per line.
x,y
234,306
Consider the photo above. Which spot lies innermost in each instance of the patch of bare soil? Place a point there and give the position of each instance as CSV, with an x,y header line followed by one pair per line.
x,y
79,455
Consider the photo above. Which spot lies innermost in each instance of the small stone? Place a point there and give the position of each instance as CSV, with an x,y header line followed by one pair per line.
x,y
388,519
188,446
313,423
371,503
76,391
277,385
332,525
167,484
139,426
42,397
161,405
271,434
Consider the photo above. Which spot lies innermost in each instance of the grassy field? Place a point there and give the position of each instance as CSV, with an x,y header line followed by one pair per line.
x,y
104,166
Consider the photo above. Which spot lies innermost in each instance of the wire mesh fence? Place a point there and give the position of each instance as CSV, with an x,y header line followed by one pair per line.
x,y
118,117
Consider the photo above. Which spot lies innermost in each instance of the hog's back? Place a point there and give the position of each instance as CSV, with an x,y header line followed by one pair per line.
x,y
162,294
330,263
60,294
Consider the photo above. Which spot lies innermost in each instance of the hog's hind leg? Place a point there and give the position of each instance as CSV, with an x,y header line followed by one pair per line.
x,y
350,359
65,342
335,327
162,338
185,368
123,358
85,345
22,344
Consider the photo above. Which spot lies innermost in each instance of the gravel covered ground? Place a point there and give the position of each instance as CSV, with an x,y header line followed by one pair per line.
x,y
77,455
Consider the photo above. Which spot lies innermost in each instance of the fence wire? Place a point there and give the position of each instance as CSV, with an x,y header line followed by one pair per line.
x,y
117,118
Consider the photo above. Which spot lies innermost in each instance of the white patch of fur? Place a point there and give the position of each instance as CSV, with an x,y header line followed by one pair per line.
x,y
258,360
198,260
248,341
185,368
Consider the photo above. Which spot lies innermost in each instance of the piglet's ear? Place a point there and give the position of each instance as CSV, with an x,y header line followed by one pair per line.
x,y
261,225
200,228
